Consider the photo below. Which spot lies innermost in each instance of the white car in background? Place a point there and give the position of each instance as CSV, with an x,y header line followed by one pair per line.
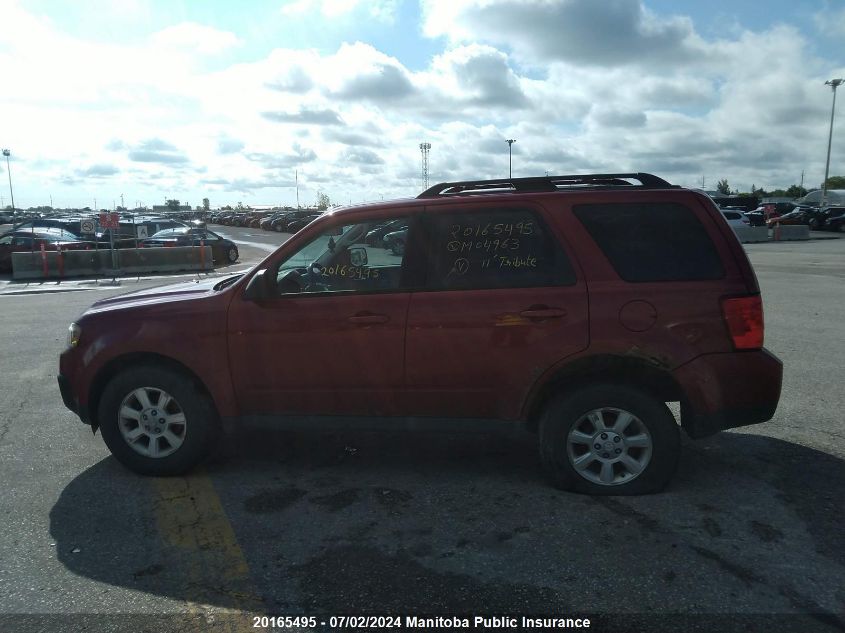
x,y
735,218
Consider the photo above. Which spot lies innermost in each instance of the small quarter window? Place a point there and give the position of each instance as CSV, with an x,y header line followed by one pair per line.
x,y
652,241
496,248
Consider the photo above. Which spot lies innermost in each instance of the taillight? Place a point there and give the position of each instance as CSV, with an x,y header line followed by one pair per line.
x,y
744,318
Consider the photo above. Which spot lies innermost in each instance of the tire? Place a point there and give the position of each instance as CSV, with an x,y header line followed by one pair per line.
x,y
814,224
651,441
195,437
232,254
398,247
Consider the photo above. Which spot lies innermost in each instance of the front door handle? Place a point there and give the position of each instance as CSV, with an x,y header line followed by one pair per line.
x,y
543,313
368,319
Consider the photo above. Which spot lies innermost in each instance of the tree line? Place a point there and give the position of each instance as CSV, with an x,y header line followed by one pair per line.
x,y
795,191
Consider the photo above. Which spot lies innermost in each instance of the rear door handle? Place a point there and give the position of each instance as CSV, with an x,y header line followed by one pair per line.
x,y
368,319
543,313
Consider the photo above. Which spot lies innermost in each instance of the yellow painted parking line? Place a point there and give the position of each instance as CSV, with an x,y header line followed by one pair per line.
x,y
194,526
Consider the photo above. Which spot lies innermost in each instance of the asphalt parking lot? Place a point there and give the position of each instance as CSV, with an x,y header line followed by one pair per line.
x,y
317,523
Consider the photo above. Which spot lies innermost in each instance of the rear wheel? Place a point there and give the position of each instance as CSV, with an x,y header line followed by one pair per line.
x,y
156,422
232,254
609,440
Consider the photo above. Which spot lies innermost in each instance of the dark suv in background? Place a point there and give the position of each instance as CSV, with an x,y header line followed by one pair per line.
x,y
578,306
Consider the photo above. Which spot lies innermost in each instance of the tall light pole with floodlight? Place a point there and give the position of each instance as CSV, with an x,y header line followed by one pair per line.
x,y
510,143
834,84
6,153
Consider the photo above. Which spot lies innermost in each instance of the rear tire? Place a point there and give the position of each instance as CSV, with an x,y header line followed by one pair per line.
x,y
609,440
156,421
232,254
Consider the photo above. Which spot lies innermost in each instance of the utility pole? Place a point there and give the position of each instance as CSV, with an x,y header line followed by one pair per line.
x,y
834,84
296,175
6,153
510,143
425,148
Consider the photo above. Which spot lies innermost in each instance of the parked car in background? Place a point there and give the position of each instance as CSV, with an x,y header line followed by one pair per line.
x,y
283,222
375,236
395,241
223,251
735,218
799,215
814,198
26,240
833,219
762,214
266,222
297,224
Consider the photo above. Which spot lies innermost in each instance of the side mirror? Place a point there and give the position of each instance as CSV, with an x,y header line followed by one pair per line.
x,y
358,256
258,288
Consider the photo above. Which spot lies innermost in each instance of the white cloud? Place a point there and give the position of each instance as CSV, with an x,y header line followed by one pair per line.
x,y
161,116
831,22
195,37
384,10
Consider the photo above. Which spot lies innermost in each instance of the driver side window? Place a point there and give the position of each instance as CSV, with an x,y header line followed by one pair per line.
x,y
362,257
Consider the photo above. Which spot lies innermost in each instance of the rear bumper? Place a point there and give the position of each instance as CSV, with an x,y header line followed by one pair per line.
x,y
724,391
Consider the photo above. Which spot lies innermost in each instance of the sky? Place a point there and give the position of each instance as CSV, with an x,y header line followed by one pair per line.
x,y
240,101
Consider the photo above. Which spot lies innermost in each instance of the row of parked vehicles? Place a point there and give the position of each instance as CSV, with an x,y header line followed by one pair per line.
x,y
829,218
68,233
282,221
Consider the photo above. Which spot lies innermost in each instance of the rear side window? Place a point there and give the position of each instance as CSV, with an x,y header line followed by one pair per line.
x,y
496,248
731,215
652,242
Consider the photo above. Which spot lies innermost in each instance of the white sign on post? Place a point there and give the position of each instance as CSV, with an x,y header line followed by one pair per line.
x,y
142,232
87,226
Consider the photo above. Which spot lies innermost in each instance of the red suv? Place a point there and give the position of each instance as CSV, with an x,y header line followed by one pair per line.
x,y
577,305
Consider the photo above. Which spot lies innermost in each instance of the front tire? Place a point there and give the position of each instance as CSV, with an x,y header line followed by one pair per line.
x,y
156,421
609,440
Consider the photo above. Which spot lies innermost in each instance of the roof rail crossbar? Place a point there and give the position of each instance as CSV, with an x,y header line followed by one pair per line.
x,y
546,183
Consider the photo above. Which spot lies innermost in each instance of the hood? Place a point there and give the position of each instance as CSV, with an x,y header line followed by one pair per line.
x,y
157,295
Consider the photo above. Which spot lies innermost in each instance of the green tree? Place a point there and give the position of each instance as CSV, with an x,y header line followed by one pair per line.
x,y
795,191
723,187
173,205
206,205
836,182
323,201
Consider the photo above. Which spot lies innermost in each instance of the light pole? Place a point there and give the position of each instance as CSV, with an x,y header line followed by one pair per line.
x,y
6,153
834,84
510,143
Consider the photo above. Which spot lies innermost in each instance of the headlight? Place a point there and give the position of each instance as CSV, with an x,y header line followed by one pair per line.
x,y
73,334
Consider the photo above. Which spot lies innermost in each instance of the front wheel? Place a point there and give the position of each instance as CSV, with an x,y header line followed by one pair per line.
x,y
609,440
232,254
156,421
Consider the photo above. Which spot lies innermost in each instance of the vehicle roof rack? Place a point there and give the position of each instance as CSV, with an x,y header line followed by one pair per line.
x,y
546,183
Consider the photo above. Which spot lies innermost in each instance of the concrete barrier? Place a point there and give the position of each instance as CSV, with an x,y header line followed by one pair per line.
x,y
751,234
788,232
99,262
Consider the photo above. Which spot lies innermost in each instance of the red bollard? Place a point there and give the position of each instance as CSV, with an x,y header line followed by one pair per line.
x,y
44,266
777,232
